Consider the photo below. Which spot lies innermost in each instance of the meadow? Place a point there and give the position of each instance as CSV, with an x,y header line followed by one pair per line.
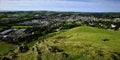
x,y
79,43
21,27
6,47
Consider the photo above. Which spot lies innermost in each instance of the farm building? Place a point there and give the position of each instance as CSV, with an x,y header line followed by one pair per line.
x,y
11,35
6,32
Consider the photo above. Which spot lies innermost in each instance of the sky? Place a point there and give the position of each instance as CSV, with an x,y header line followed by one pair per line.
x,y
61,5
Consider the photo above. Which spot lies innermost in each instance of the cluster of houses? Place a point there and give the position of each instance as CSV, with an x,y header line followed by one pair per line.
x,y
49,20
35,22
11,35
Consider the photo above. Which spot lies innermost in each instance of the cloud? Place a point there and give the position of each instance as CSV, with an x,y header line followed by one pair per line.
x,y
61,5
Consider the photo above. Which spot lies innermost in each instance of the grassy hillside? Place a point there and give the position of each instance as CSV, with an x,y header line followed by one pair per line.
x,y
6,47
80,43
21,27
89,35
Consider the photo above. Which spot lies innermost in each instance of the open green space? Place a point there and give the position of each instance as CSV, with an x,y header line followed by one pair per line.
x,y
80,43
1,27
21,27
6,47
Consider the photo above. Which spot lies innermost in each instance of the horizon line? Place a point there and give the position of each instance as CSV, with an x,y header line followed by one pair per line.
x,y
58,11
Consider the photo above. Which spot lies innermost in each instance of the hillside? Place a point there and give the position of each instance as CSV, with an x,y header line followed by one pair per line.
x,y
80,43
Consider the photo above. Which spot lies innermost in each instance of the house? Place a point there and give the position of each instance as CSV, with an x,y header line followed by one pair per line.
x,y
113,26
119,28
6,32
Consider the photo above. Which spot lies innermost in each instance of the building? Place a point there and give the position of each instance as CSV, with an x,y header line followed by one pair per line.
x,y
6,32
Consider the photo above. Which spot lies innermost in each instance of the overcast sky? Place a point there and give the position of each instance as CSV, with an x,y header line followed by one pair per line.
x,y
61,5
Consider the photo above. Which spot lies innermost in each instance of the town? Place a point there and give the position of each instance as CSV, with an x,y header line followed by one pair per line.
x,y
56,21
22,28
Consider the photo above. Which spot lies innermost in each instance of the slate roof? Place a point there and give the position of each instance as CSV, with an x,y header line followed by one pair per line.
x,y
6,32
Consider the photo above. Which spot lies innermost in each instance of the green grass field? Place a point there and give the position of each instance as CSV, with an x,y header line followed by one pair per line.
x,y
1,27
6,47
80,43
21,27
